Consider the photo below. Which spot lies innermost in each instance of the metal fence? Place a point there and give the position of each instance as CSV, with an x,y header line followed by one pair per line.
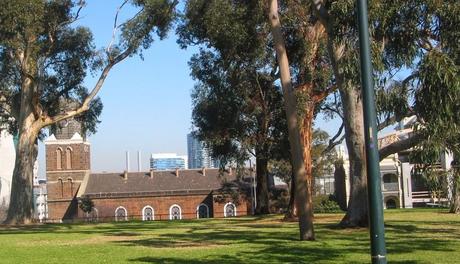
x,y
128,218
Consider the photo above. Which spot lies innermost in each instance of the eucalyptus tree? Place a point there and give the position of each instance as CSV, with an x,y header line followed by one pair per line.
x,y
236,103
44,58
419,38
239,33
237,113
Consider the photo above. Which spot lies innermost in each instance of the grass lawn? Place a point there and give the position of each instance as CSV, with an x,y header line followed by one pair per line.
x,y
412,236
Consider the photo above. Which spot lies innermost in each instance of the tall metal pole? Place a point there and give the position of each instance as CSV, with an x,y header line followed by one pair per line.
x,y
377,229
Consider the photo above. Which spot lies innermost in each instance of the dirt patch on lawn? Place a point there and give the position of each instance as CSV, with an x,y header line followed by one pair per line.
x,y
85,241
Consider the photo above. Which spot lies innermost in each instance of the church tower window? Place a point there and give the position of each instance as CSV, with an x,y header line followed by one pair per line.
x,y
59,159
61,187
68,158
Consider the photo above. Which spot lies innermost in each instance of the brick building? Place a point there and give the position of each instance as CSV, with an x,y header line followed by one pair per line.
x,y
153,195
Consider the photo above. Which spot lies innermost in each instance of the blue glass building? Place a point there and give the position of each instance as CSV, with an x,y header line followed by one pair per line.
x,y
198,155
167,161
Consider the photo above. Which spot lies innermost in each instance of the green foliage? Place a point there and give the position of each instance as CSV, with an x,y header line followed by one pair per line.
x,y
323,162
58,56
325,204
86,204
40,41
237,107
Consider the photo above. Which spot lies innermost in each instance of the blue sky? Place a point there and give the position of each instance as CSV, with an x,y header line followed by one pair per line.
x,y
147,104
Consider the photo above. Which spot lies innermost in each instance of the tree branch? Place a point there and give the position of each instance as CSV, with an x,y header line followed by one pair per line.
x,y
319,96
393,119
333,142
401,145
85,105
409,78
321,11
336,111
115,27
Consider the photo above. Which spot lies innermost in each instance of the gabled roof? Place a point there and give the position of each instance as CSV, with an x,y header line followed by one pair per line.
x,y
162,183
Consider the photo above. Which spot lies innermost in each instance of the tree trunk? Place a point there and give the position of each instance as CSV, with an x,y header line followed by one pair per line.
x,y
291,212
20,210
455,207
357,212
306,133
305,223
340,191
262,185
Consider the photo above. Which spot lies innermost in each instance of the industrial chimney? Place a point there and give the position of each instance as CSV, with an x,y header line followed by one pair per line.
x,y
139,166
127,161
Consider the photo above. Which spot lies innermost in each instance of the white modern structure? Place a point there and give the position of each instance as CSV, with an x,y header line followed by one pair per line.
x,y
40,201
7,159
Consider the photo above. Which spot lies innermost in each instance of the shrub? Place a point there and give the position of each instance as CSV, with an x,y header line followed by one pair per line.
x,y
325,204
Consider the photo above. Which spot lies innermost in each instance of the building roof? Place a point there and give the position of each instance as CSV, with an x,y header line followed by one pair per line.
x,y
162,183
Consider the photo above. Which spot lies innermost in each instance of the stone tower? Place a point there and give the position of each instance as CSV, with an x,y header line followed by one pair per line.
x,y
67,164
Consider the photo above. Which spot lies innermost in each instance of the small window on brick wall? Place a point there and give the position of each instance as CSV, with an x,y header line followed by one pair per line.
x,y
68,158
59,159
61,187
70,182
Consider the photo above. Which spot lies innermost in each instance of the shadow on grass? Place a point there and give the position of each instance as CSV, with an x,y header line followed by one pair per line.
x,y
261,239
270,254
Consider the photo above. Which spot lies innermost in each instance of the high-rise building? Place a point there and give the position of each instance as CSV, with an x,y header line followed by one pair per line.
x,y
168,161
198,155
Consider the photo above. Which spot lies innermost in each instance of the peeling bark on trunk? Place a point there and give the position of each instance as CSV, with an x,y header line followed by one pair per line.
x,y
305,223
20,210
262,186
21,201
357,212
306,133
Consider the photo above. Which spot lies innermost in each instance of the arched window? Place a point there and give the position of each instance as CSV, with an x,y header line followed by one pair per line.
x,y
61,187
148,214
202,211
229,210
175,212
59,158
68,158
70,183
121,214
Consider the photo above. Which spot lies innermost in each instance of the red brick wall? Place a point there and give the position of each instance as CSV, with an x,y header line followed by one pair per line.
x,y
62,210
242,206
106,206
61,196
80,156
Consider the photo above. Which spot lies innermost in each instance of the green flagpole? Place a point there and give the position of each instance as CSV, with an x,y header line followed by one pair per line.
x,y
376,224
